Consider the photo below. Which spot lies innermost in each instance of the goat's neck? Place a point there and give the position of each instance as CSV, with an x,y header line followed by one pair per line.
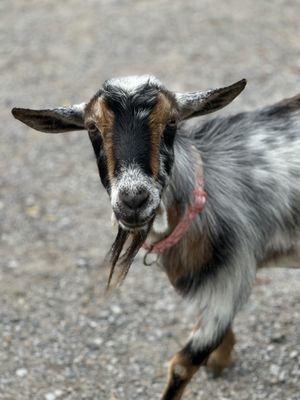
x,y
194,249
179,191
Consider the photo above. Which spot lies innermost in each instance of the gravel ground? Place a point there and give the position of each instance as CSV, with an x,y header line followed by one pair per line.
x,y
61,337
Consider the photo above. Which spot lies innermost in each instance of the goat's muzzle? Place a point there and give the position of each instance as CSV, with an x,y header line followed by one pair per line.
x,y
134,211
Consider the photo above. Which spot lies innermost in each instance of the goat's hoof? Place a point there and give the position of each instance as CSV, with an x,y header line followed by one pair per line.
x,y
216,366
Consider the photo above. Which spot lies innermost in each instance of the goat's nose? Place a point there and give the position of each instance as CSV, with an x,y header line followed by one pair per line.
x,y
134,200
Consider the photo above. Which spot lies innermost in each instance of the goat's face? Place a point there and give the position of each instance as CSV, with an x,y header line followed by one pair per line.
x,y
132,124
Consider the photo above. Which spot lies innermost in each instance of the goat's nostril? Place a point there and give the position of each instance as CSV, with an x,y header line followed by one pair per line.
x,y
134,200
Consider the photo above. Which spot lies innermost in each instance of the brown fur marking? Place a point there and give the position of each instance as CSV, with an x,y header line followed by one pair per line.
x,y
103,117
181,371
222,357
158,120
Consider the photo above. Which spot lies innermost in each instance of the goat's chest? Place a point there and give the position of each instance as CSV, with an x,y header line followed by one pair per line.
x,y
183,263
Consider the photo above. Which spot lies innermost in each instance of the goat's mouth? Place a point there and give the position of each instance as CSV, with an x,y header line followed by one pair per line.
x,y
138,225
133,226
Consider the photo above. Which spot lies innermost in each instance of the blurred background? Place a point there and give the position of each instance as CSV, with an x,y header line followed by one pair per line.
x,y
61,337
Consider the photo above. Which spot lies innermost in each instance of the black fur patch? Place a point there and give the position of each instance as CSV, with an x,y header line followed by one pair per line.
x,y
177,383
199,357
97,144
132,135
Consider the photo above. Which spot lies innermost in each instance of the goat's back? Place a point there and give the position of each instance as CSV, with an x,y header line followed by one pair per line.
x,y
252,175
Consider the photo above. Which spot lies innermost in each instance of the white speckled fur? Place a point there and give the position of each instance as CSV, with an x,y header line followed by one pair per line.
x,y
251,164
252,175
130,83
132,178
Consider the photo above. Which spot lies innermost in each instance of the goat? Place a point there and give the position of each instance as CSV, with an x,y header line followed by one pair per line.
x,y
216,200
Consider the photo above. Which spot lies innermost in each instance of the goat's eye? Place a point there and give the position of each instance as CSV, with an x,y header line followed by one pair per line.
x,y
92,128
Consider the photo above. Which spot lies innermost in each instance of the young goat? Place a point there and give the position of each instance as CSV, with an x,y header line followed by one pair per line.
x,y
215,201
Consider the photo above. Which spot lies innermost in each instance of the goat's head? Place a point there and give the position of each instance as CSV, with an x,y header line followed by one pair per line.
x,y
132,124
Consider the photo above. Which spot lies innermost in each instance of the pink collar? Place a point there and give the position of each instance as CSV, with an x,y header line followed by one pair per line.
x,y
196,207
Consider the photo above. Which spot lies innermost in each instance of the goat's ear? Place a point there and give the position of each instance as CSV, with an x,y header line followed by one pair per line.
x,y
57,120
192,104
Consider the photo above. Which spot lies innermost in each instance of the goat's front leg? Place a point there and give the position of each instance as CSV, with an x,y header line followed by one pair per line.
x,y
217,301
184,365
181,370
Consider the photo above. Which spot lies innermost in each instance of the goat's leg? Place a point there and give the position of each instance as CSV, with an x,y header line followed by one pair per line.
x,y
221,358
206,337
218,300
187,362
183,366
181,370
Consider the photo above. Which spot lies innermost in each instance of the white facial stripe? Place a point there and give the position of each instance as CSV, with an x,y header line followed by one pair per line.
x,y
130,83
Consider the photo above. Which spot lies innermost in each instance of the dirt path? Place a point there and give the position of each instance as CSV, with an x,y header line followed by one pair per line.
x,y
60,337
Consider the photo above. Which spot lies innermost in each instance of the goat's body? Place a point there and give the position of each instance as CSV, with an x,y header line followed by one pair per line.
x,y
258,179
252,169
150,163
251,165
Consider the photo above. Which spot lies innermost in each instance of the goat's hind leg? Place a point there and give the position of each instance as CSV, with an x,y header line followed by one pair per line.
x,y
221,358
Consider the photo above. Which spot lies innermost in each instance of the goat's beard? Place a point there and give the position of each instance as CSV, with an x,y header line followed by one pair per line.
x,y
124,261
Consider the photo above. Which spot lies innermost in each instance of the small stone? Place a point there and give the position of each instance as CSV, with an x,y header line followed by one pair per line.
x,y
281,377
95,344
81,263
274,369
277,338
278,376
33,211
12,264
111,319
270,348
50,396
116,309
54,395
21,372
93,324
294,354
98,341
